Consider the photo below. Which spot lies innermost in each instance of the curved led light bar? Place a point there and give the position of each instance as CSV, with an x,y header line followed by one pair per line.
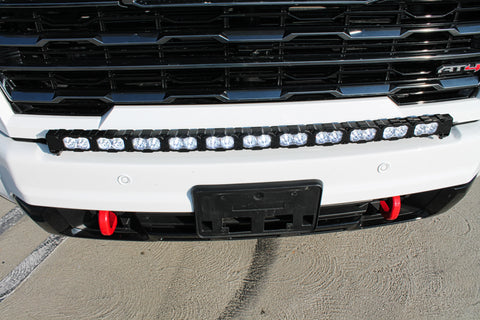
x,y
255,138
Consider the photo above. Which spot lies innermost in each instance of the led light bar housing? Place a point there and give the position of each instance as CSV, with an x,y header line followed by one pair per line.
x,y
256,138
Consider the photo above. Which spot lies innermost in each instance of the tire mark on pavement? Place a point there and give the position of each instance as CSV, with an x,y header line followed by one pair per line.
x,y
263,258
26,267
10,219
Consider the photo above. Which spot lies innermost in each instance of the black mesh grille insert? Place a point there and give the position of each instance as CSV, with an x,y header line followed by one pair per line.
x,y
83,59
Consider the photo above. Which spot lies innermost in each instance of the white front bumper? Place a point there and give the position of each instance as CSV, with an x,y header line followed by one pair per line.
x,y
161,182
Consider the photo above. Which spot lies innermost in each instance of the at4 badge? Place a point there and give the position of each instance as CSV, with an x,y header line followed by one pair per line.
x,y
459,68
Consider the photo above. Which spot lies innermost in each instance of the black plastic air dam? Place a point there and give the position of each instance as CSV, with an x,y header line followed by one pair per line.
x,y
181,226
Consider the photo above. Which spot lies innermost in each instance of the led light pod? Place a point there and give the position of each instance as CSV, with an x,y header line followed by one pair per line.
x,y
300,139
76,143
141,144
153,144
324,137
104,144
262,141
227,142
425,129
286,140
249,142
358,135
395,132
175,143
116,144
214,143
188,143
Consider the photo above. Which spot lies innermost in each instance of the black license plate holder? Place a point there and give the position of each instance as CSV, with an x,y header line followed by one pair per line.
x,y
259,209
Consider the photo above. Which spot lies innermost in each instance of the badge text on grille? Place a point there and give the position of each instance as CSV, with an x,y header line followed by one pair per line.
x,y
461,68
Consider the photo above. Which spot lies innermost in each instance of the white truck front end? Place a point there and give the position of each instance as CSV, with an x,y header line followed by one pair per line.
x,y
80,137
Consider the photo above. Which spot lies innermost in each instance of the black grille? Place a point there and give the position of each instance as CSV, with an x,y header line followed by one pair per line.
x,y
81,60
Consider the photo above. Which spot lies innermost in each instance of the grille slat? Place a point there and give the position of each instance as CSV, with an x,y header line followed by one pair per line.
x,y
445,58
157,52
109,95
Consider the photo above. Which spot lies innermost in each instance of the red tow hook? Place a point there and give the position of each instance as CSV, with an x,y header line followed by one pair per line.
x,y
107,220
390,209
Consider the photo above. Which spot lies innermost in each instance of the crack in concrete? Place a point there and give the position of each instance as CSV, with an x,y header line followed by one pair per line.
x,y
263,257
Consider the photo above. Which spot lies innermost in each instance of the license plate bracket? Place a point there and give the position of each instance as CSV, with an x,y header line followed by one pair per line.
x,y
258,209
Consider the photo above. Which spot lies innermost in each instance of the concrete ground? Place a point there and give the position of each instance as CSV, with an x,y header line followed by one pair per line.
x,y
419,270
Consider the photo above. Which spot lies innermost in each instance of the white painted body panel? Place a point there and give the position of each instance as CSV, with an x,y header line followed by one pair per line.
x,y
161,182
232,115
